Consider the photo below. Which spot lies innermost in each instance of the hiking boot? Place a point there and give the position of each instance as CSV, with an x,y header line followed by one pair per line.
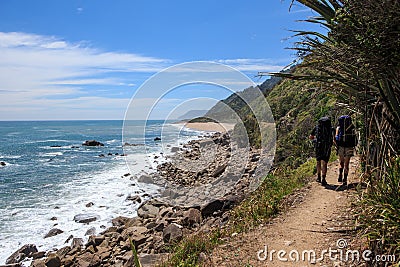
x,y
345,179
318,179
323,182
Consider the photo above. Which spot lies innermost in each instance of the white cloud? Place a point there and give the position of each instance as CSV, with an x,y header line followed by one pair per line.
x,y
36,67
45,77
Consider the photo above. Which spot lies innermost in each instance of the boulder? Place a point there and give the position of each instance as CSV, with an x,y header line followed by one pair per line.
x,y
76,242
2,163
88,259
62,252
147,210
95,240
85,218
119,221
149,260
22,253
172,233
53,232
69,239
37,263
92,143
157,138
38,255
88,205
136,233
211,207
53,261
191,217
91,231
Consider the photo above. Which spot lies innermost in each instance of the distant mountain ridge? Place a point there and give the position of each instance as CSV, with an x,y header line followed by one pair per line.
x,y
191,114
222,111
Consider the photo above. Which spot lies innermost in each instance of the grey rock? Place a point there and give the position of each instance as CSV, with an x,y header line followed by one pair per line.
x,y
53,261
191,217
211,207
147,210
172,234
85,218
91,231
88,205
92,143
23,252
53,232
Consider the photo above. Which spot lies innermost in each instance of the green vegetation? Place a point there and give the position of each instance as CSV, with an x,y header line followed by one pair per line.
x,y
297,105
202,119
360,56
380,215
135,255
187,252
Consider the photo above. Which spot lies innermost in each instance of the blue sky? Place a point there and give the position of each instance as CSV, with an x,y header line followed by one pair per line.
x,y
86,59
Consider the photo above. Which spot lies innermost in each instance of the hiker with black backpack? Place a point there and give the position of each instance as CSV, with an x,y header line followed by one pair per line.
x,y
322,137
345,141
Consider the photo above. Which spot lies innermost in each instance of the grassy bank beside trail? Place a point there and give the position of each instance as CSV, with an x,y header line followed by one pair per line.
x,y
260,206
379,214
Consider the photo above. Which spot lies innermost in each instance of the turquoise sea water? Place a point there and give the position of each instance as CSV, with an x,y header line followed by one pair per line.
x,y
49,174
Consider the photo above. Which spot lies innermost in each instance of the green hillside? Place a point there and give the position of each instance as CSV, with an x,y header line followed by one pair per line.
x,y
295,105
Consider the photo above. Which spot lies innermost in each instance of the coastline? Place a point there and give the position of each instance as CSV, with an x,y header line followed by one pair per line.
x,y
157,224
209,126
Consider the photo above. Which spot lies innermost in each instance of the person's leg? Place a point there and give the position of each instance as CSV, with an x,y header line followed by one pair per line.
x,y
346,169
319,171
324,169
341,167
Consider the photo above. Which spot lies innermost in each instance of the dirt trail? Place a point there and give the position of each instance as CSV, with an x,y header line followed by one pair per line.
x,y
316,223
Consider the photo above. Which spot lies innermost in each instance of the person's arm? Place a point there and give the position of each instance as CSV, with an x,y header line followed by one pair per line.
x,y
336,134
312,135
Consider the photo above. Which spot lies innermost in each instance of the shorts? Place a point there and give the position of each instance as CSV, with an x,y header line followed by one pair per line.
x,y
323,156
345,151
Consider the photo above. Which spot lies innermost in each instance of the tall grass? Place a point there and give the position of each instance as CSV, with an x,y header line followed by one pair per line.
x,y
187,252
380,212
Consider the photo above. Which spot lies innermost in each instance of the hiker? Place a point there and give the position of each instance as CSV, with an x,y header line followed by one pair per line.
x,y
345,141
322,138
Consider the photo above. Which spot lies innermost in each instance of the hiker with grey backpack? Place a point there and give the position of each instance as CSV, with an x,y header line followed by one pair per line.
x,y
345,141
322,137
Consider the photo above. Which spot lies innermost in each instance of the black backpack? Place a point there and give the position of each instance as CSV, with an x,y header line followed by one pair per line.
x,y
324,136
346,136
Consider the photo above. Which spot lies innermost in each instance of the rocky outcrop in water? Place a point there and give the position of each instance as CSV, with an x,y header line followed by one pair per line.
x,y
92,143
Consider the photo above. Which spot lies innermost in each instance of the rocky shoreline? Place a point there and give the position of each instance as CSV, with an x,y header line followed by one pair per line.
x,y
160,223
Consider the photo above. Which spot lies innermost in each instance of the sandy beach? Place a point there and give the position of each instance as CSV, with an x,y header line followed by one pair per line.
x,y
210,126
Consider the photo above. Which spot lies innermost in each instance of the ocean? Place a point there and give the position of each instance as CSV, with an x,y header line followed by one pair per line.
x,y
49,177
